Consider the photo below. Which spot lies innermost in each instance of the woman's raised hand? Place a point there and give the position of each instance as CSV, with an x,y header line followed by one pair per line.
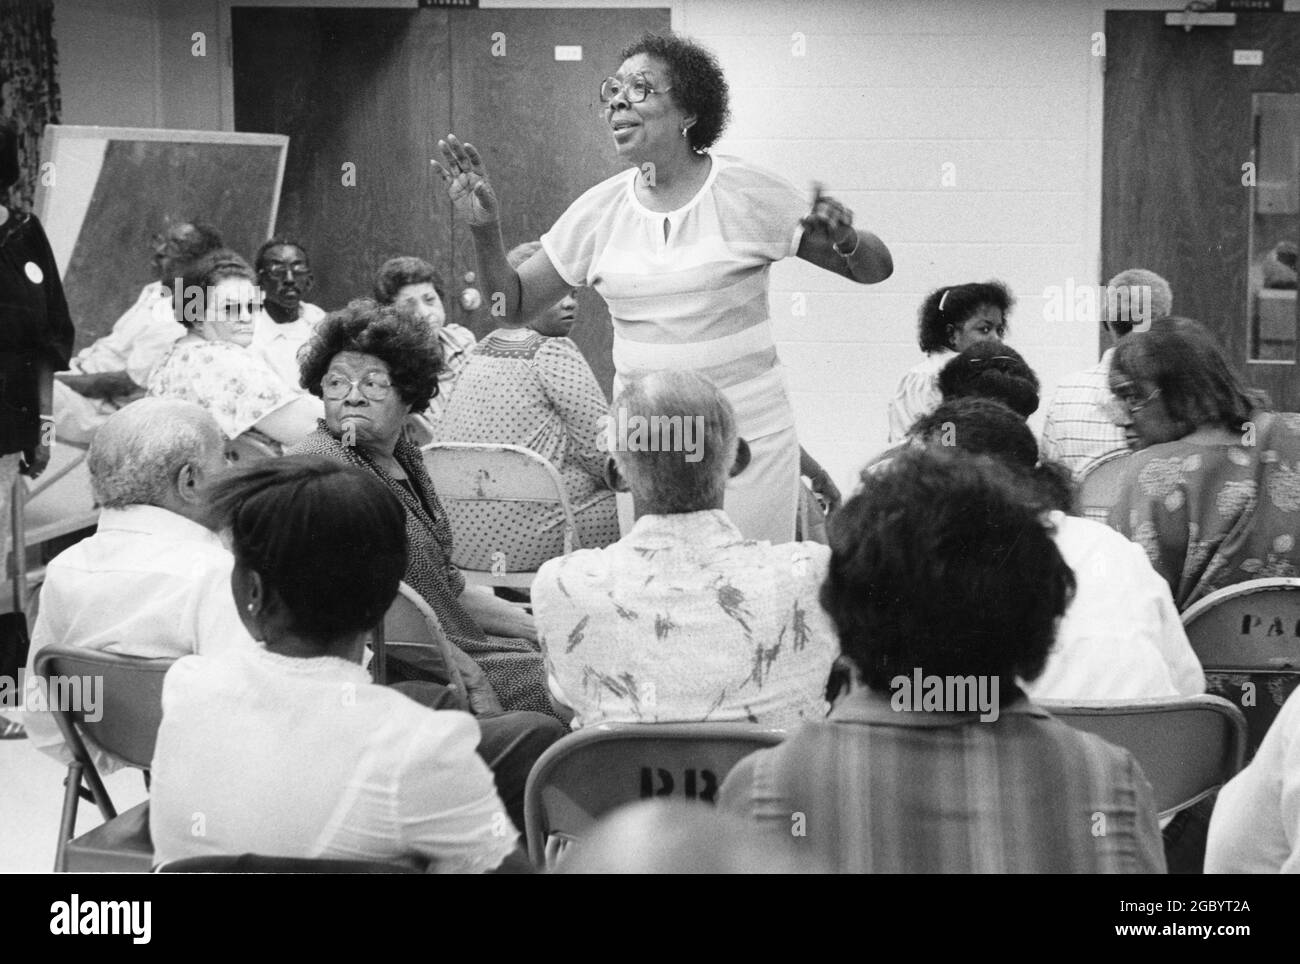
x,y
467,184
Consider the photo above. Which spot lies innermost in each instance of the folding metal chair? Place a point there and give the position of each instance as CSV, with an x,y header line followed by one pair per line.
x,y
472,472
1247,638
1188,746
124,725
1100,485
591,772
411,622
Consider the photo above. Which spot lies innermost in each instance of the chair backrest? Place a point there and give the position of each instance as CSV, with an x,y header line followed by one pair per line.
x,y
1247,638
1100,485
248,448
1188,747
483,472
1253,625
410,621
115,702
260,864
586,774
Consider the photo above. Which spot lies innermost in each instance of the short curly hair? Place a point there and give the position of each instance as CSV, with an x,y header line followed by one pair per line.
x,y
698,84
990,369
396,273
940,563
951,306
400,340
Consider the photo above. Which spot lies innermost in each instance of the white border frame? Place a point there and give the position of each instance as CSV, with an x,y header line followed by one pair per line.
x,y
55,134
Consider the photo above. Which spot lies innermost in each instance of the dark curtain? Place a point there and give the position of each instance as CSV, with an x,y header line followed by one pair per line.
x,y
29,86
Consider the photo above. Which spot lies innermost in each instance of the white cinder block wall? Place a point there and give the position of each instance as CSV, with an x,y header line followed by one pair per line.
x,y
872,97
958,132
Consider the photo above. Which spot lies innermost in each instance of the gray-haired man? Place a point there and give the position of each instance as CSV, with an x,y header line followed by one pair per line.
x,y
683,619
152,581
1078,430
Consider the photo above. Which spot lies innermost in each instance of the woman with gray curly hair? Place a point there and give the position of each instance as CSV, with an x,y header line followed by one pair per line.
x,y
373,366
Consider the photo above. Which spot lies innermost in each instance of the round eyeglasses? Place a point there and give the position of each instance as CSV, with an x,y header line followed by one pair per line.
x,y
336,386
635,89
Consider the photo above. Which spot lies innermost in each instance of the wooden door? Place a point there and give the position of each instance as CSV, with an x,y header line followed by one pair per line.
x,y
537,122
1182,191
364,96
377,88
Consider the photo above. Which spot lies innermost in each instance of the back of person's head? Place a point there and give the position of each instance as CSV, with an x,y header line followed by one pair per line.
x,y
990,369
522,252
139,453
673,437
1184,361
327,540
396,273
676,837
984,426
9,169
1135,296
947,308
940,564
200,240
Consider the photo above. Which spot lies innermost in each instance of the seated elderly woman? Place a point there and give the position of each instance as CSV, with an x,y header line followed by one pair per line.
x,y
415,285
683,619
951,319
212,366
990,369
313,760
1213,491
946,586
521,388
1121,637
374,365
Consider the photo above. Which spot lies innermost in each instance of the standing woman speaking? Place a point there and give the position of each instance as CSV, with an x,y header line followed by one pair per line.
x,y
679,246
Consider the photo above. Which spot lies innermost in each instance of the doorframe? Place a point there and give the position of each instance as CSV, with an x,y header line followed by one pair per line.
x,y
227,60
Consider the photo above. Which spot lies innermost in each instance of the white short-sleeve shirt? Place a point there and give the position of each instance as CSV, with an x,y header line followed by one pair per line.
x,y
290,757
697,298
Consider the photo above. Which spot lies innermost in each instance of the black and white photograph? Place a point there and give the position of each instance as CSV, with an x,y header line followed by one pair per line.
x,y
697,437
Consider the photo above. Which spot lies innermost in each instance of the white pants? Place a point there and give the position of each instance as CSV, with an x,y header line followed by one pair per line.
x,y
763,500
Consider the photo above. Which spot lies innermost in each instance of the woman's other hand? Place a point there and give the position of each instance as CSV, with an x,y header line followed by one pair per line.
x,y
467,183
831,219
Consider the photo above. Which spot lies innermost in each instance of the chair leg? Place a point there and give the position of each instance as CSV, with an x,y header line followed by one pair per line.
x,y
68,821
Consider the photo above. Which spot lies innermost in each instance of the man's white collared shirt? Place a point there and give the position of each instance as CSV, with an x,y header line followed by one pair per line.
x,y
148,583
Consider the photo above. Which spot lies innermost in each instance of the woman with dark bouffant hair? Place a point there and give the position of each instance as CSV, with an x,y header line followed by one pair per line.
x,y
288,749
1121,638
680,246
951,320
1213,488
990,369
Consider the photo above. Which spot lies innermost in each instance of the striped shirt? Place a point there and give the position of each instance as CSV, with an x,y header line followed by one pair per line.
x,y
696,299
883,791
1077,430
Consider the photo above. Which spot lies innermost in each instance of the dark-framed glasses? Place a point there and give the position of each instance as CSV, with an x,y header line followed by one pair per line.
x,y
281,271
374,386
635,89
